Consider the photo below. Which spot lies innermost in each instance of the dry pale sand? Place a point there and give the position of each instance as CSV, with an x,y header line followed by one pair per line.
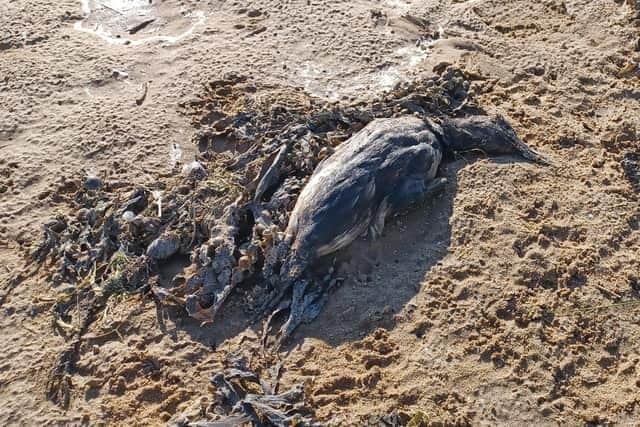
x,y
512,299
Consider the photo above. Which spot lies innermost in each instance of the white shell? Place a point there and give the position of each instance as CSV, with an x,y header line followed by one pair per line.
x,y
128,216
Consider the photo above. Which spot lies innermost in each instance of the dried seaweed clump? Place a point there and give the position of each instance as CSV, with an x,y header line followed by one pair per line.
x,y
243,397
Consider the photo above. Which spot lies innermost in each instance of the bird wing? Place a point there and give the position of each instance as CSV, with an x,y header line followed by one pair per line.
x,y
333,217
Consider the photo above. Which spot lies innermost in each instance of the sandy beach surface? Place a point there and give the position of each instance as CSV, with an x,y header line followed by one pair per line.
x,y
511,299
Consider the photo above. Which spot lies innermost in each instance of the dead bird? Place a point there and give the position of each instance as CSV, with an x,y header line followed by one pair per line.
x,y
388,166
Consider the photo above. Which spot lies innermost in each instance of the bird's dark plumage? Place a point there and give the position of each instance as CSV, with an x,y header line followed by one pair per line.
x,y
353,190
387,166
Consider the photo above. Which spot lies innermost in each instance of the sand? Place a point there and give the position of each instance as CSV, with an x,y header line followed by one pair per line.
x,y
511,299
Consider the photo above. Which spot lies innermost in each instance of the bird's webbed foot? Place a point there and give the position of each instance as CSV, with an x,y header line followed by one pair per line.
x,y
307,301
306,305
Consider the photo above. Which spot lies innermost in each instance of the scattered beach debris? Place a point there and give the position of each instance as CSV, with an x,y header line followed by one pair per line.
x,y
128,216
175,156
113,9
123,22
157,197
92,182
119,75
163,247
628,68
228,212
140,26
144,88
243,397
194,170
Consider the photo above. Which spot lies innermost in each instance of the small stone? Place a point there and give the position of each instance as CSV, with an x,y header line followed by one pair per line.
x,y
92,183
163,247
56,225
82,214
65,288
183,189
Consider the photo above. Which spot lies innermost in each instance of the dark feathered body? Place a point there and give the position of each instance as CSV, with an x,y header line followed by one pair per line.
x,y
352,191
387,166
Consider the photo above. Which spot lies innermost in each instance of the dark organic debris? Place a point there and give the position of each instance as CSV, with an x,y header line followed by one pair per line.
x,y
143,95
58,385
140,26
92,182
631,165
231,211
242,397
136,202
194,170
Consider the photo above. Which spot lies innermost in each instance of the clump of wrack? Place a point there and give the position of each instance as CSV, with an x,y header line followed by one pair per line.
x,y
216,272
241,397
112,240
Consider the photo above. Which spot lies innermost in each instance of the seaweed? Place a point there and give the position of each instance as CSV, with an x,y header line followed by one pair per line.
x,y
242,397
